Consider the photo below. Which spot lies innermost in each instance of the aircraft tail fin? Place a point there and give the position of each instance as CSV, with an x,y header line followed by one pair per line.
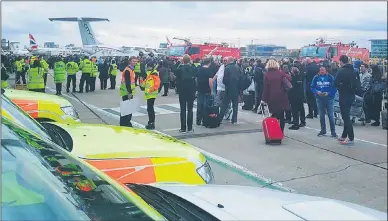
x,y
87,34
33,44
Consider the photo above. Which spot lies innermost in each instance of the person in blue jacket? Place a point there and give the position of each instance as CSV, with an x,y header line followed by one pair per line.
x,y
324,90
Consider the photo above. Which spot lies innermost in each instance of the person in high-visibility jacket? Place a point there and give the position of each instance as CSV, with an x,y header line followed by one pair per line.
x,y
137,71
36,77
151,89
93,74
19,63
86,68
59,74
45,66
71,69
112,74
4,75
127,89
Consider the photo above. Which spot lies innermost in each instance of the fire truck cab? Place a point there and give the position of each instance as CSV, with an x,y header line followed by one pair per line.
x,y
202,50
332,52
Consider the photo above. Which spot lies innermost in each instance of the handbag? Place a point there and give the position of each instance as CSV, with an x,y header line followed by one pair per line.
x,y
286,84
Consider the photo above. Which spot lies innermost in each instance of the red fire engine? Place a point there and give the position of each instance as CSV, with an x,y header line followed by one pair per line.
x,y
201,50
321,51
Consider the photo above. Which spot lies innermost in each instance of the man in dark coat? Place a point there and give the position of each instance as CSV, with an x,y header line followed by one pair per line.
x,y
231,79
311,70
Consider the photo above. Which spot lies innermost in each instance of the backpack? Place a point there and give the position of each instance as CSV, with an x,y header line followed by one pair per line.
x,y
245,81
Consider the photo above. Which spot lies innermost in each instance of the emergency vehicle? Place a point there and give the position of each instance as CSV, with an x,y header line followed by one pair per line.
x,y
321,51
176,52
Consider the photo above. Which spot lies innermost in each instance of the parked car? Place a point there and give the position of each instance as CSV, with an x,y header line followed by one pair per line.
x,y
44,107
125,154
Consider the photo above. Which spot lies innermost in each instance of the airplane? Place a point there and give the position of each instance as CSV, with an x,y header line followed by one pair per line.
x,y
35,50
90,43
14,48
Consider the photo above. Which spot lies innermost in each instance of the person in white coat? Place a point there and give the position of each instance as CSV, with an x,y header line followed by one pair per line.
x,y
221,88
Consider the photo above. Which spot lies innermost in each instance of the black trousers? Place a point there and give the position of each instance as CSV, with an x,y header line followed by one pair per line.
x,y
288,115
258,94
71,79
125,121
137,78
166,86
93,83
84,80
298,113
112,79
229,97
280,117
151,110
311,103
45,79
103,84
186,103
58,87
38,90
345,105
20,74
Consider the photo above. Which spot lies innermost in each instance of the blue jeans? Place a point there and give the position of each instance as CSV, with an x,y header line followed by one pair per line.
x,y
229,97
326,106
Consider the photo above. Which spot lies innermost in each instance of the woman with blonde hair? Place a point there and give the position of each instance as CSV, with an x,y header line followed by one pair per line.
x,y
275,93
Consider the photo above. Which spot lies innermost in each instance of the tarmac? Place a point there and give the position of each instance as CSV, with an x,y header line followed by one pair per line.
x,y
303,163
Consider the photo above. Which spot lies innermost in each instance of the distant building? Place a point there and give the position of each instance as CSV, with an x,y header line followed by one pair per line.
x,y
378,48
263,50
4,44
243,52
163,45
49,45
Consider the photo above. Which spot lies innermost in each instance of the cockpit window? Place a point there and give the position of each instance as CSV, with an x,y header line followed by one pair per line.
x,y
41,182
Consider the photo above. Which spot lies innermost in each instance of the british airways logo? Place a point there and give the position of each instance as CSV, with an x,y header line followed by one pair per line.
x,y
88,31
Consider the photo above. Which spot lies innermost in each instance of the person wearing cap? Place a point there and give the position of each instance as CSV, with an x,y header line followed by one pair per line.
x,y
71,69
151,89
112,74
59,74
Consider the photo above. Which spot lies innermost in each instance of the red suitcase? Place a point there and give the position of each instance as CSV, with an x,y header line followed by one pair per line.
x,y
272,131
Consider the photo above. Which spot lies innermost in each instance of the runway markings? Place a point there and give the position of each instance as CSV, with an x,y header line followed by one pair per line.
x,y
161,109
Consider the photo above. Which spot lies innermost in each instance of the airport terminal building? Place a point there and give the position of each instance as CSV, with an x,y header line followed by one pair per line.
x,y
378,48
259,50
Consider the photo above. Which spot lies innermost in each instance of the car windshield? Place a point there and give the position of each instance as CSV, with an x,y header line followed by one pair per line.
x,y
42,182
177,51
22,118
314,52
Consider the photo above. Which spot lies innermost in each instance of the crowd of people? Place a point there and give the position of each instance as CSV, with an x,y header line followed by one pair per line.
x,y
281,86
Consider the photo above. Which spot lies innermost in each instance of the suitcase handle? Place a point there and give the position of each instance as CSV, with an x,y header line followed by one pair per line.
x,y
262,108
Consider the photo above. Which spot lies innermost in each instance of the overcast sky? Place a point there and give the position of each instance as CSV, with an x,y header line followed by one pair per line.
x,y
291,24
